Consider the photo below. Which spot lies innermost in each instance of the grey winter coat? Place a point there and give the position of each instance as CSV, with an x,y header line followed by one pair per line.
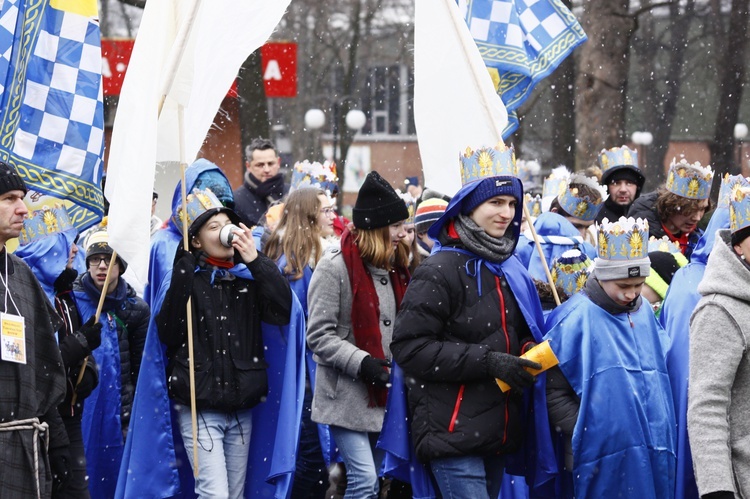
x,y
340,397
719,393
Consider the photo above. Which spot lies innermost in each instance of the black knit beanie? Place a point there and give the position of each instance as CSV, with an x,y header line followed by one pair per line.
x,y
378,205
10,180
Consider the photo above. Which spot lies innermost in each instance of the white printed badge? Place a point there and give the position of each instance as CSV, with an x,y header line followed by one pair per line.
x,y
13,338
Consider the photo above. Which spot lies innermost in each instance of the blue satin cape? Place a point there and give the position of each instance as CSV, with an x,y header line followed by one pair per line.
x,y
154,463
300,287
48,256
549,224
624,438
682,297
100,423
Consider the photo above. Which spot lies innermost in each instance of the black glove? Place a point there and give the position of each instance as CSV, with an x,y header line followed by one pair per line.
x,y
60,464
92,332
184,259
371,371
87,384
510,369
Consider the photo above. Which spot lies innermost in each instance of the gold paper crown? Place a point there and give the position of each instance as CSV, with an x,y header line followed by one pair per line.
x,y
739,205
487,162
583,207
624,239
43,223
691,181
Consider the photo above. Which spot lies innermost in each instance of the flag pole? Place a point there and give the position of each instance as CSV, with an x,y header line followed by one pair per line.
x,y
499,133
186,246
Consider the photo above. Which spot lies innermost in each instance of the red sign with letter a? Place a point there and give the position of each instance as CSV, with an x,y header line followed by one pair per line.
x,y
278,60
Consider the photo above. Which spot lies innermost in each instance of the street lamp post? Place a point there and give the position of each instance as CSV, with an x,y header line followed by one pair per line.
x,y
740,132
355,119
642,140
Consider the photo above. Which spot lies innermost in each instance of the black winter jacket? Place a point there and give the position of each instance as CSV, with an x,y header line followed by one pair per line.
x,y
442,335
130,314
230,369
252,199
73,347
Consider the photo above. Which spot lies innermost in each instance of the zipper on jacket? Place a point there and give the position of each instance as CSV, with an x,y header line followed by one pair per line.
x,y
454,417
498,286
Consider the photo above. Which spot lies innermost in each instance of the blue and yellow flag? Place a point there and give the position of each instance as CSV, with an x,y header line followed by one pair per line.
x,y
51,109
521,42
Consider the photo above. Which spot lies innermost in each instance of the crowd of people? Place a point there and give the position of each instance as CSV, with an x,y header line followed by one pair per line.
x,y
289,351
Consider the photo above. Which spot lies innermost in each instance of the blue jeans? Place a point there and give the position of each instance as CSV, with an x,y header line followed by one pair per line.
x,y
223,448
469,477
362,461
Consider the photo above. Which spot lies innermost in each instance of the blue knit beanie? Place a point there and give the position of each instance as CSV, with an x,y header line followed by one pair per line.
x,y
489,188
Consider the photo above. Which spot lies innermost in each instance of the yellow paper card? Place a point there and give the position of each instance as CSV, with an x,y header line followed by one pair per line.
x,y
542,354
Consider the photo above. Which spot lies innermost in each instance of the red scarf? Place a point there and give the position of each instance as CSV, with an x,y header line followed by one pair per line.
x,y
366,307
683,240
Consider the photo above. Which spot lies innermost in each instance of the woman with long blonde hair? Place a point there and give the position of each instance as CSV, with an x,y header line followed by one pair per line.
x,y
355,293
303,233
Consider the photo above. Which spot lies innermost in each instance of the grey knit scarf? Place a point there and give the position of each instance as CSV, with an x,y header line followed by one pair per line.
x,y
482,244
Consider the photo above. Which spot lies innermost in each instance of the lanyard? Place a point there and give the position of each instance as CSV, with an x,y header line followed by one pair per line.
x,y
7,289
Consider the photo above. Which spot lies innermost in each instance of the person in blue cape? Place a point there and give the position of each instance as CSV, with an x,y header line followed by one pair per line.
x,y
469,312
156,462
124,321
563,227
679,303
201,174
610,396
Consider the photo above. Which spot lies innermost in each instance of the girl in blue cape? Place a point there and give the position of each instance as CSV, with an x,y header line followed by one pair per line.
x,y
469,312
230,367
610,398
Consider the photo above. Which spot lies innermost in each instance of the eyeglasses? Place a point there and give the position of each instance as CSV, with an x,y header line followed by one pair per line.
x,y
328,211
95,261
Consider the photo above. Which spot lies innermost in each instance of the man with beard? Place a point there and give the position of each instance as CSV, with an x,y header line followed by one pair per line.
x,y
263,185
623,180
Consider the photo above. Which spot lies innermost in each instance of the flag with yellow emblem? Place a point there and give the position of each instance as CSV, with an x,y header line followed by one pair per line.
x,y
51,109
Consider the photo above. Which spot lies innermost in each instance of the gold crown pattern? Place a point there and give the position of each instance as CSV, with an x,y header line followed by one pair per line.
x,y
663,244
198,202
571,270
556,183
44,222
691,181
487,162
624,239
410,203
728,182
739,205
322,176
583,207
533,204
618,156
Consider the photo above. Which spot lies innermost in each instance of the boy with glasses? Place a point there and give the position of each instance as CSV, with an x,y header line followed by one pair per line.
x,y
124,321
